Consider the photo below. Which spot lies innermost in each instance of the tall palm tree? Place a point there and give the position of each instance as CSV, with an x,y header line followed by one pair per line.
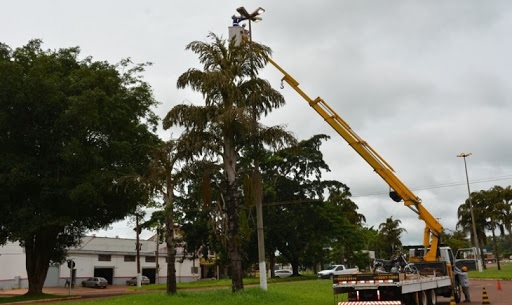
x,y
465,223
497,213
233,96
391,232
506,196
160,179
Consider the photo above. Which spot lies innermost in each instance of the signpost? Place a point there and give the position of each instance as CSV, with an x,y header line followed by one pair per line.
x,y
71,265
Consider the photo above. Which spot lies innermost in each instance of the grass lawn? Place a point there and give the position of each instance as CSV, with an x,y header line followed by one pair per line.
x,y
304,290
492,272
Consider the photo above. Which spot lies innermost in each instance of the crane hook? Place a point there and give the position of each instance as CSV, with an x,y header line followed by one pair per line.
x,y
282,84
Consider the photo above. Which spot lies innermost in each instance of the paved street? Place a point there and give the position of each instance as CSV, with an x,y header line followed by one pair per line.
x,y
496,297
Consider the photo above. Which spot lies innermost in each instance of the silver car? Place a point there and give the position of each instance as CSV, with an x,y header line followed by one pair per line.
x,y
282,273
95,282
133,281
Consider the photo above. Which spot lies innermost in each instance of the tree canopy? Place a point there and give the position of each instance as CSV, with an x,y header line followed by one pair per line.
x,y
71,129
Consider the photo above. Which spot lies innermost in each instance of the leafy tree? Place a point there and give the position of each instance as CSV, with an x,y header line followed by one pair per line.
x,y
299,222
496,209
465,222
159,180
228,83
70,130
390,233
455,239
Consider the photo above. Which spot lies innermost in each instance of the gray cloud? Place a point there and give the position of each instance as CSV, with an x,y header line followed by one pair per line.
x,y
421,81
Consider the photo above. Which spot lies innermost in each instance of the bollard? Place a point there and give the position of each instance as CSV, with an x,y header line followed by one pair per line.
x,y
452,300
485,297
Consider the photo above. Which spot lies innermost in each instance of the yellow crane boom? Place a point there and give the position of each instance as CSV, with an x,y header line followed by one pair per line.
x,y
400,191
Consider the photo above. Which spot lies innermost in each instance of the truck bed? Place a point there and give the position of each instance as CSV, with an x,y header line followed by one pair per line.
x,y
405,283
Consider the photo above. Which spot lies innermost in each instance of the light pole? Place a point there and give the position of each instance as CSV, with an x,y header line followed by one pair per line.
x,y
473,224
244,15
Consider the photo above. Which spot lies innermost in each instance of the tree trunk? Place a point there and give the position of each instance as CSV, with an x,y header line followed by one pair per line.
x,y
272,264
234,250
171,259
169,238
38,249
295,266
482,254
495,246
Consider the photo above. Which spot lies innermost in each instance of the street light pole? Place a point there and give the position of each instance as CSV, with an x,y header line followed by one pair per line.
x,y
244,15
473,224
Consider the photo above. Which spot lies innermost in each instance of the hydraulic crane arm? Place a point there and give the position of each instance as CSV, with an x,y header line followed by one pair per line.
x,y
432,227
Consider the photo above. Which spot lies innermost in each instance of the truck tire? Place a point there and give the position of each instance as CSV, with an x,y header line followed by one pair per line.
x,y
422,298
432,297
457,291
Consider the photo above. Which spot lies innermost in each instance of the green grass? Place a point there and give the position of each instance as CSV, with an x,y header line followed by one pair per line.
x,y
492,272
305,292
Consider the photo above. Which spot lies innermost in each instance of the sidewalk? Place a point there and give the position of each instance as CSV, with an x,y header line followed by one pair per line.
x,y
77,291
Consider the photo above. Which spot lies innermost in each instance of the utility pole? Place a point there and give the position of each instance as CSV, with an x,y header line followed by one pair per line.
x,y
473,223
137,247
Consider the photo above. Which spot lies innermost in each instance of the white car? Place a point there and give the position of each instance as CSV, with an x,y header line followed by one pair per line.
x,y
333,270
282,273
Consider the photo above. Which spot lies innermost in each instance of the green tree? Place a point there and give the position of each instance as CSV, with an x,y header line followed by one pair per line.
x,y
497,211
70,131
300,222
227,82
390,233
455,239
160,180
465,222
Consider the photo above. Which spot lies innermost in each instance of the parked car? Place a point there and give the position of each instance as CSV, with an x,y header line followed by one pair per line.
x,y
282,273
95,282
333,270
133,281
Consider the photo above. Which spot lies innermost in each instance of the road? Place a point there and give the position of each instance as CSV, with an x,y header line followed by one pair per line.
x,y
495,296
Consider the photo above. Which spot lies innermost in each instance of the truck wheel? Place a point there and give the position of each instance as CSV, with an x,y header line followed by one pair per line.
x,y
432,297
423,299
457,292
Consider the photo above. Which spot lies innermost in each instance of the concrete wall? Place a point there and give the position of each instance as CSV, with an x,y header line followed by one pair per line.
x,y
12,267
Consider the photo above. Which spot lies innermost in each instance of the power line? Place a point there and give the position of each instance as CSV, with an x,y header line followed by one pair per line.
x,y
438,186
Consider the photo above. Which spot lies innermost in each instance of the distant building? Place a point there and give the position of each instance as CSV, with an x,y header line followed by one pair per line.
x,y
112,258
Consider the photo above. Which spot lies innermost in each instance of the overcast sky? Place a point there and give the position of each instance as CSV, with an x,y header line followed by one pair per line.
x,y
420,81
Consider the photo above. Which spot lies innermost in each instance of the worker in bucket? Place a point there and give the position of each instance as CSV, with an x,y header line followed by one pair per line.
x,y
462,274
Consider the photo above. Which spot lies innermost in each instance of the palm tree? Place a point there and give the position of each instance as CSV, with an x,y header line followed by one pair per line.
x,y
465,223
391,232
160,179
234,96
497,213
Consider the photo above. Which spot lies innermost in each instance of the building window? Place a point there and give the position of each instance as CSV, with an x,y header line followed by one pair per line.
x,y
194,270
129,258
150,259
104,258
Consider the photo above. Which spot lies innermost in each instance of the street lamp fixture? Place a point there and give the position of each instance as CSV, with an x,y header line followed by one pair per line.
x,y
252,16
473,224
244,15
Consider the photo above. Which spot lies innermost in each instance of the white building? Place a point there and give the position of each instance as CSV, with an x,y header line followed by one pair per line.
x,y
112,258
